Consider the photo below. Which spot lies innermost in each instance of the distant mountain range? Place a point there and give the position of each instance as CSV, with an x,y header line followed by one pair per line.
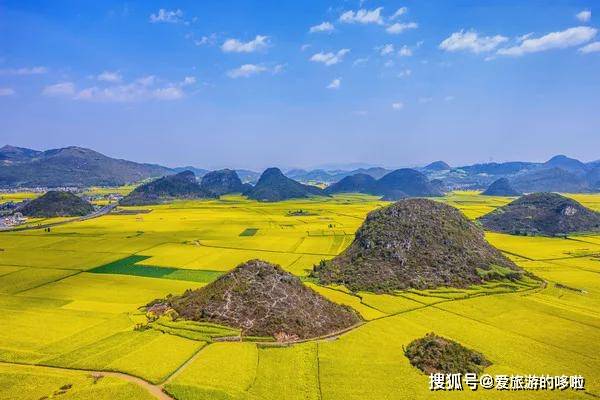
x,y
558,174
81,167
70,166
332,176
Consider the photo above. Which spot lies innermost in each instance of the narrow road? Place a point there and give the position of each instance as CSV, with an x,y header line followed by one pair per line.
x,y
103,211
154,390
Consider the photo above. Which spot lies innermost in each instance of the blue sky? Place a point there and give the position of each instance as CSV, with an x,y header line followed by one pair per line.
x,y
301,84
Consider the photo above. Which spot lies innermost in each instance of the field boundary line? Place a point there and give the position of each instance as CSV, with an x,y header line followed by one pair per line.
x,y
255,377
264,250
515,333
319,373
183,366
47,283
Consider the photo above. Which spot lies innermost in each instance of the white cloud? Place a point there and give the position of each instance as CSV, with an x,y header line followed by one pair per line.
x,y
404,73
399,12
400,27
188,81
590,48
360,61
279,68
167,93
554,40
167,16
386,49
398,105
471,41
388,64
206,40
141,89
322,27
24,71
59,89
129,93
260,42
363,16
335,84
330,58
584,16
108,76
246,71
147,80
524,37
6,92
405,51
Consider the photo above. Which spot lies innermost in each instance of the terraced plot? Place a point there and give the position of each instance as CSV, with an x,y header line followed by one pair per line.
x,y
69,298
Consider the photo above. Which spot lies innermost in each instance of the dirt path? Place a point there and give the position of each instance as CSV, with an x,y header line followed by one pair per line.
x,y
154,390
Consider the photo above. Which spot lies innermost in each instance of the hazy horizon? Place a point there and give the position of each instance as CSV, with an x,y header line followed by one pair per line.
x,y
327,167
250,85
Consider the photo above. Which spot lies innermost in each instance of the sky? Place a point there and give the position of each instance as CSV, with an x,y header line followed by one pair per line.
x,y
252,84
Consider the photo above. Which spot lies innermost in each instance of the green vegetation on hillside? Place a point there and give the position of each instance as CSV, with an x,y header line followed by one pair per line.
x,y
179,186
56,204
274,186
416,243
435,354
542,214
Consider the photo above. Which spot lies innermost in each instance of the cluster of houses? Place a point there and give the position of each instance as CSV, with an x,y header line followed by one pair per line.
x,y
111,197
12,220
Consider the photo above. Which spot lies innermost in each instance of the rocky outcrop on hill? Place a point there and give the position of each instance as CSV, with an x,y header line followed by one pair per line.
x,y
542,214
261,299
416,243
501,187
56,204
179,186
222,182
273,185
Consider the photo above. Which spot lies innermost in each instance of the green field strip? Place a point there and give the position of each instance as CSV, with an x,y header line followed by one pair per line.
x,y
129,266
249,232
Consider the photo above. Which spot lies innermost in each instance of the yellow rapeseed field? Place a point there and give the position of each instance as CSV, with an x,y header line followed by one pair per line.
x,y
69,300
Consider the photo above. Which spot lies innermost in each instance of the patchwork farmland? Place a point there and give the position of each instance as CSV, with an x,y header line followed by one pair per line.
x,y
70,300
